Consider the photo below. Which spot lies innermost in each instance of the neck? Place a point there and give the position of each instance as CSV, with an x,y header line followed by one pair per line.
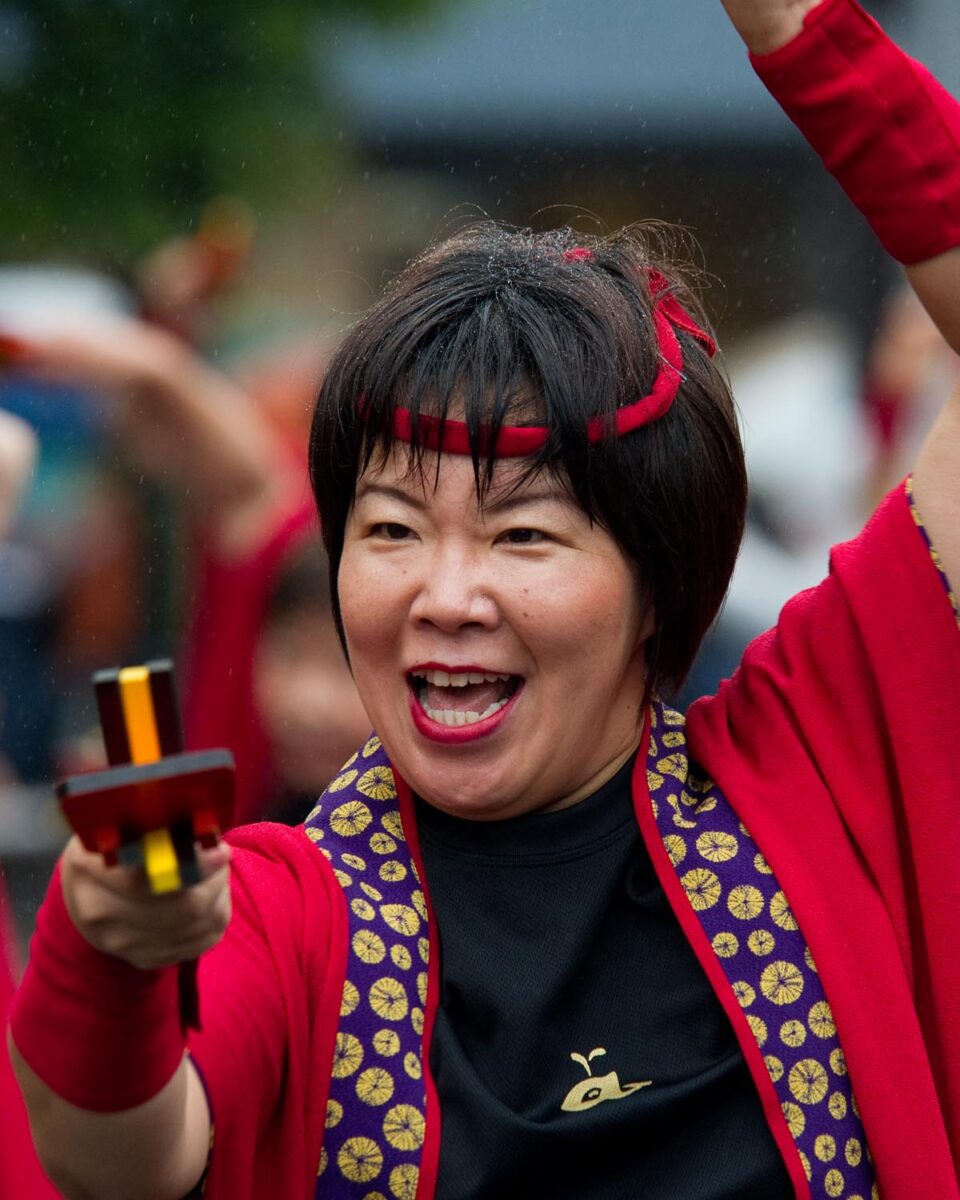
x,y
596,781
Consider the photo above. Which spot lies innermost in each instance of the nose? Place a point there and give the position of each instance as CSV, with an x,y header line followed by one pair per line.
x,y
455,592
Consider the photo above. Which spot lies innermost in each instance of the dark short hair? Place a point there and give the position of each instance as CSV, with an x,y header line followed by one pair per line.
x,y
495,326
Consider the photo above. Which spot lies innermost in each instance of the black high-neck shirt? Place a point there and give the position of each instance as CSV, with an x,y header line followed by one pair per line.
x,y
557,940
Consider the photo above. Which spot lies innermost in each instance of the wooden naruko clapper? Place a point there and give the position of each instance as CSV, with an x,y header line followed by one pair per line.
x,y
155,801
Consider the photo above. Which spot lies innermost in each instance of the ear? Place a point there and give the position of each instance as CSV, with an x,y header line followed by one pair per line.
x,y
648,622
648,613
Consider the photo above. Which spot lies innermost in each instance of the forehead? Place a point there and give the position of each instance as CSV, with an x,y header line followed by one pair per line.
x,y
433,478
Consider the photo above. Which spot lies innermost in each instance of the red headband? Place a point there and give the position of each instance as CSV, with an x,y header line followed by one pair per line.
x,y
516,441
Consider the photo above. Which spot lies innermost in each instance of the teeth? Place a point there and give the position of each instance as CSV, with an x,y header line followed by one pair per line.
x,y
446,679
447,717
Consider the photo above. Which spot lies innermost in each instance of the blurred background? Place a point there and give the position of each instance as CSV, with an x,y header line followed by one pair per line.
x,y
196,200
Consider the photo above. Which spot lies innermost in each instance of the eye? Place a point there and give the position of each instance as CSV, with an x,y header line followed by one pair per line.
x,y
524,537
391,531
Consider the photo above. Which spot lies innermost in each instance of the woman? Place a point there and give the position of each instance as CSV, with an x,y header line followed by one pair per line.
x,y
704,961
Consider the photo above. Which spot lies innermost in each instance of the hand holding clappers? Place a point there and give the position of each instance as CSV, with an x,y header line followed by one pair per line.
x,y
155,801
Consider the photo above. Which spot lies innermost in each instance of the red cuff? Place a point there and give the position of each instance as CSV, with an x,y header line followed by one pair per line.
x,y
884,127
102,1034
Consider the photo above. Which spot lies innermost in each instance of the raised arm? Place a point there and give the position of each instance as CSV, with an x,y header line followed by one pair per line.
x,y
185,422
890,135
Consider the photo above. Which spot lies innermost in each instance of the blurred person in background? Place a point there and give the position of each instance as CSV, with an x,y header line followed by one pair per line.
x,y
71,591
262,670
820,457
807,451
531,490
910,369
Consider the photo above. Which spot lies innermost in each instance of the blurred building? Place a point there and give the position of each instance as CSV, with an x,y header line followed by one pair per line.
x,y
624,110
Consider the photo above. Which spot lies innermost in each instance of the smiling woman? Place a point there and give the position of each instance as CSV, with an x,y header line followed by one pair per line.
x,y
583,571
531,490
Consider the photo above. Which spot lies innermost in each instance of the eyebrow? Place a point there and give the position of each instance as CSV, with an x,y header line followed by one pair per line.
x,y
390,493
507,504
521,499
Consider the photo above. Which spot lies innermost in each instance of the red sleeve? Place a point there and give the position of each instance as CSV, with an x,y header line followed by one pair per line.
x,y
846,718
227,617
272,990
242,1047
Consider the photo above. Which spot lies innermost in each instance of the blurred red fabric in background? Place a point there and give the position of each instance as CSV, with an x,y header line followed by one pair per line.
x,y
20,1175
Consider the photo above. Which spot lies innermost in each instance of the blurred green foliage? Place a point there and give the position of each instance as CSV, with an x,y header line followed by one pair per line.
x,y
120,118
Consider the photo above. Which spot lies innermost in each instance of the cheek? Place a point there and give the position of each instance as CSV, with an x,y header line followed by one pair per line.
x,y
372,607
587,619
350,584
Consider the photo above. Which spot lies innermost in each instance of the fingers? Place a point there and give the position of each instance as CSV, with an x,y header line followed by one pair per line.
x,y
213,859
128,881
188,929
115,911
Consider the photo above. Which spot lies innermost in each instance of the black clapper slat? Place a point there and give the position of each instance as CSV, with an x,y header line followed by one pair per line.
x,y
166,714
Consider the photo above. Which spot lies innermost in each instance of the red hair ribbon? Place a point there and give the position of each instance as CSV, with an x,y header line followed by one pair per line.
x,y
520,441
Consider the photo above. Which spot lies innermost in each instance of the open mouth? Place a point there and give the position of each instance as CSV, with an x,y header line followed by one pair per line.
x,y
462,698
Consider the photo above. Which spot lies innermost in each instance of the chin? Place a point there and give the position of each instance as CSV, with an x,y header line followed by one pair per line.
x,y
468,792
483,809
478,779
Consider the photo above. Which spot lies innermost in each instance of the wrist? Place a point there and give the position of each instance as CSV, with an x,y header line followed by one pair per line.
x,y
768,28
787,39
101,1034
883,126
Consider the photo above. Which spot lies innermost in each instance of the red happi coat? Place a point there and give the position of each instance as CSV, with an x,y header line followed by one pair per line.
x,y
834,745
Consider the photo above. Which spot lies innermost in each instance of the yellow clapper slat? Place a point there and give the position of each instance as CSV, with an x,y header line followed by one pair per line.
x,y
159,853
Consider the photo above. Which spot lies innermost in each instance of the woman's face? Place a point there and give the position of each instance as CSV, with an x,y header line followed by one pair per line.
x,y
498,649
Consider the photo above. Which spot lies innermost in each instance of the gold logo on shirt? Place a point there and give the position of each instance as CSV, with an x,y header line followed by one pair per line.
x,y
597,1088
